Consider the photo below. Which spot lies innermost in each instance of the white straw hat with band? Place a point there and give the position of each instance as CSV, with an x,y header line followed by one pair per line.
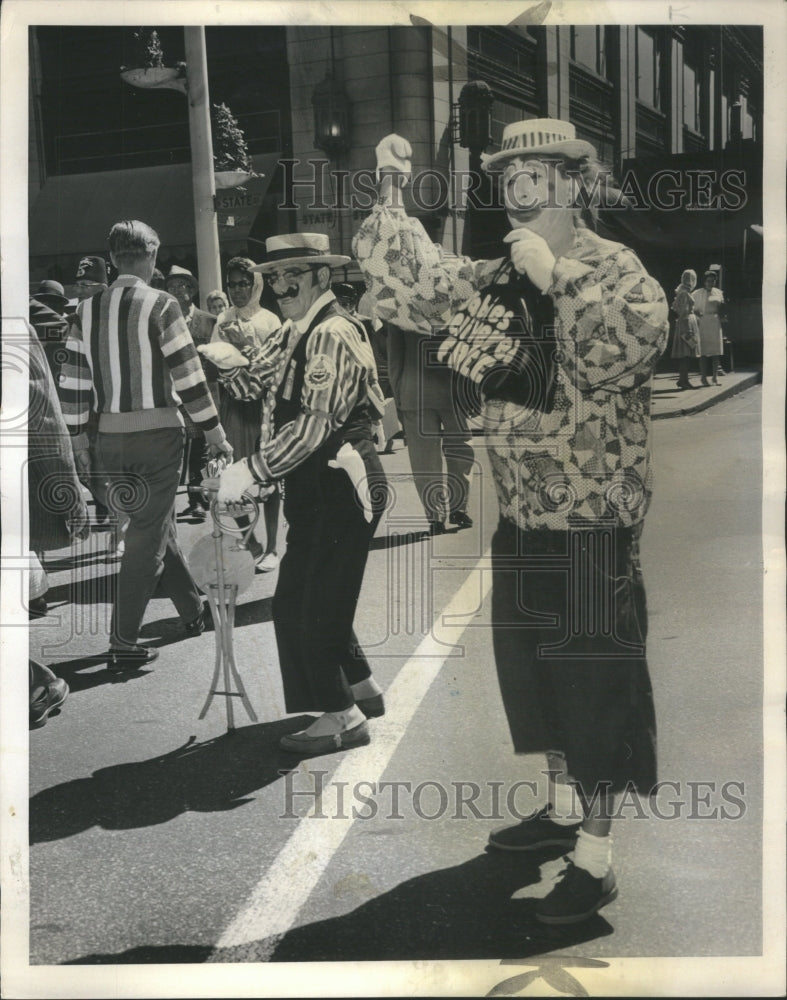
x,y
299,248
536,136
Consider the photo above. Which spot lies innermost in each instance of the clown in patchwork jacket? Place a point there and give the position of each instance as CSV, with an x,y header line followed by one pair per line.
x,y
557,341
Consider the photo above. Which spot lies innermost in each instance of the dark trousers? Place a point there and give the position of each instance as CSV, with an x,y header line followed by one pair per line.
x,y
569,630
195,461
143,471
320,578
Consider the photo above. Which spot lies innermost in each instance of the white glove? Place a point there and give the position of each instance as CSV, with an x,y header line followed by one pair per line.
x,y
234,482
349,459
530,255
394,154
223,355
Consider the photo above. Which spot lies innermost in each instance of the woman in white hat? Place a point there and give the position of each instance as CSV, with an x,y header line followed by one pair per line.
x,y
558,339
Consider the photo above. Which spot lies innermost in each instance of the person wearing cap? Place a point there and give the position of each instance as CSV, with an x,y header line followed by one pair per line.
x,y
326,398
131,359
46,312
91,277
560,338
181,283
708,307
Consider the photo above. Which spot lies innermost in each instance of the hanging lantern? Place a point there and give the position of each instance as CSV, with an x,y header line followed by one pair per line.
x,y
331,117
475,115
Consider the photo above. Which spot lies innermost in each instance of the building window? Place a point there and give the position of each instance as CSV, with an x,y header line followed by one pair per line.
x,y
691,98
748,119
505,113
650,70
588,47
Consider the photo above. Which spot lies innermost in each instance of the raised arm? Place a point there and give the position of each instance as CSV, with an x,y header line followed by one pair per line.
x,y
415,285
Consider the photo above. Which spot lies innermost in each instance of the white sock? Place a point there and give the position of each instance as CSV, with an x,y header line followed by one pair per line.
x,y
366,689
565,808
336,722
593,853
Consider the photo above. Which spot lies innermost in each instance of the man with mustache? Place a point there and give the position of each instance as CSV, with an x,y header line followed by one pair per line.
x,y
321,368
560,340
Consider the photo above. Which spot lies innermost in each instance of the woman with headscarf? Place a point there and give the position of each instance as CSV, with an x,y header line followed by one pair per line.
x,y
686,342
708,304
248,422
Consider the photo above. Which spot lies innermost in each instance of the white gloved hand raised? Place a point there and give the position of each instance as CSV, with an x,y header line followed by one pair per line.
x,y
223,355
234,482
394,154
530,255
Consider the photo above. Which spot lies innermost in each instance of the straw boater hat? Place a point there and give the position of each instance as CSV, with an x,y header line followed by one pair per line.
x,y
182,274
299,248
536,136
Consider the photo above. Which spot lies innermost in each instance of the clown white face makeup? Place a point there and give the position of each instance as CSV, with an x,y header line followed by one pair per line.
x,y
297,287
537,196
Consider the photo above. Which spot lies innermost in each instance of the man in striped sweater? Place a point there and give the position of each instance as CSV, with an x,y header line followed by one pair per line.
x,y
131,360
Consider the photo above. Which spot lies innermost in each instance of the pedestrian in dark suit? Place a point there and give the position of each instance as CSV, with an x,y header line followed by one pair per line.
x,y
327,397
184,286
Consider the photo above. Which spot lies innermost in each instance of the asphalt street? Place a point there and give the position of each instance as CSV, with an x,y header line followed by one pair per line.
x,y
156,837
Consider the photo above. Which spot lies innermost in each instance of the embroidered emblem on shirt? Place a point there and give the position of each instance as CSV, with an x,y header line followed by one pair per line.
x,y
320,372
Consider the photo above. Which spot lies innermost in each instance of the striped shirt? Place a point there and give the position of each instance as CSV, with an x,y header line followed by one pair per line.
x,y
130,353
336,379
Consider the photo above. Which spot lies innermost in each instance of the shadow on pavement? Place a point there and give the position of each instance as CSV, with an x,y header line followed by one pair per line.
x,y
463,912
214,776
167,631
72,672
90,590
409,538
150,954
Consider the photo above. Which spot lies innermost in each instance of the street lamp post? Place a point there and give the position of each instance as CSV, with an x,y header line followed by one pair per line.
x,y
203,182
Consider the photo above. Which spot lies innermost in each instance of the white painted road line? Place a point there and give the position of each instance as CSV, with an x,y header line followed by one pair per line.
x,y
277,899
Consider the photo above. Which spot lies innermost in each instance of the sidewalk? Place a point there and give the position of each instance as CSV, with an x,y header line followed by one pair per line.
x,y
669,401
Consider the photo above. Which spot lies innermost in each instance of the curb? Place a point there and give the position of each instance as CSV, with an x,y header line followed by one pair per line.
x,y
754,379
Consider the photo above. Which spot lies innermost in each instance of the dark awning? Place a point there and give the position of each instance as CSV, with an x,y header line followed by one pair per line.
x,y
73,213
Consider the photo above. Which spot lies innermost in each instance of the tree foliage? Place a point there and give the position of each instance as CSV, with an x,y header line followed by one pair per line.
x,y
230,151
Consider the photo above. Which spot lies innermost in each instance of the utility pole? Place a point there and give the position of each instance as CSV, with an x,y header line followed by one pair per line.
x,y
204,185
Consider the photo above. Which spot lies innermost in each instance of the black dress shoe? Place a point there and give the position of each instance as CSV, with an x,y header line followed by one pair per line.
x,y
436,528
130,658
37,607
197,625
461,519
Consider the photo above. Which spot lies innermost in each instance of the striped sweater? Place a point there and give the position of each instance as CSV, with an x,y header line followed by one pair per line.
x,y
131,359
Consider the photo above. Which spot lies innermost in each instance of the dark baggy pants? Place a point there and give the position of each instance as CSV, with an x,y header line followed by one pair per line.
x,y
569,630
320,578
142,471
